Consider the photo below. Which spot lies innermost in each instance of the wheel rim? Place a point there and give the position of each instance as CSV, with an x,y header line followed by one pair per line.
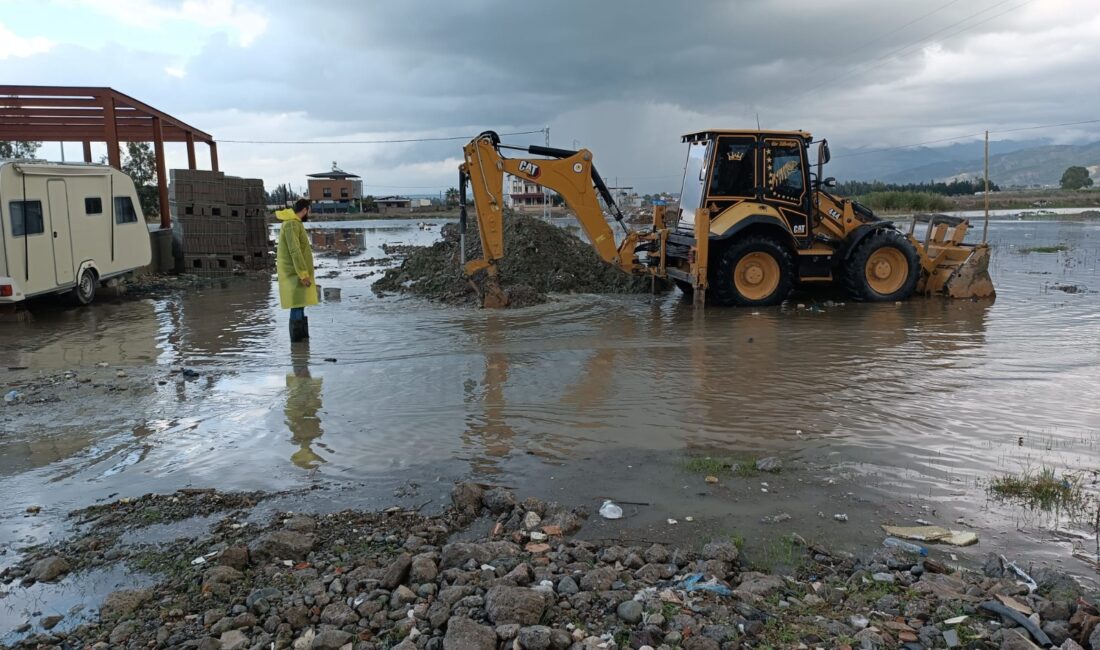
x,y
887,270
85,285
756,276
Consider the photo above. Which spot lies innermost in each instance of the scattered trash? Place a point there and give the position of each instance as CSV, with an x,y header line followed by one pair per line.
x,y
672,522
956,620
775,519
923,522
712,479
1032,586
894,542
120,374
330,359
689,519
769,464
932,534
199,560
611,511
840,516
102,364
1069,288
691,583
34,510
189,373
12,396
331,293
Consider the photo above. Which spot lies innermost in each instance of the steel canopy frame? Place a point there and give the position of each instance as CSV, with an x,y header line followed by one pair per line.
x,y
89,114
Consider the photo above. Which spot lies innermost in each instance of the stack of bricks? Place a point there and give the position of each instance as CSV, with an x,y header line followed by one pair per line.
x,y
219,222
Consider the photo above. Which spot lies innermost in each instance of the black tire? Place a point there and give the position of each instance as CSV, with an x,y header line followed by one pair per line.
x,y
84,291
723,287
857,276
686,290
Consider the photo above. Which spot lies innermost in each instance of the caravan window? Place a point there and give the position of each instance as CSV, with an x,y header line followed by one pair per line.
x,y
26,218
124,210
93,205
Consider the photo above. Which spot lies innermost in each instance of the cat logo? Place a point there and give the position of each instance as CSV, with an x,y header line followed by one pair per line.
x,y
529,168
735,156
800,229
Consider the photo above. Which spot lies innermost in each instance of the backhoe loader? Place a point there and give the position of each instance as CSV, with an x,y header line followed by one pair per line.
x,y
753,222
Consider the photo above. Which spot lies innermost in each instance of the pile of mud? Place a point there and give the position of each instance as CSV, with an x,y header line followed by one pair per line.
x,y
539,259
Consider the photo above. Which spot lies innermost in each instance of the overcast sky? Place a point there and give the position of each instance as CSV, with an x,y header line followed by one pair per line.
x,y
623,78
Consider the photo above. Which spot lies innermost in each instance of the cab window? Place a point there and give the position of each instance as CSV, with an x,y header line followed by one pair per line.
x,y
784,167
26,218
124,210
734,167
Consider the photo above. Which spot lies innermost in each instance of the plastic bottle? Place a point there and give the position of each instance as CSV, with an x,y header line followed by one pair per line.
x,y
609,510
893,542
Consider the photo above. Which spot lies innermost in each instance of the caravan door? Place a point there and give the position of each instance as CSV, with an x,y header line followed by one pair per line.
x,y
59,224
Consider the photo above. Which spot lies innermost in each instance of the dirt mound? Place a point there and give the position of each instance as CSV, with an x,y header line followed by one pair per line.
x,y
540,259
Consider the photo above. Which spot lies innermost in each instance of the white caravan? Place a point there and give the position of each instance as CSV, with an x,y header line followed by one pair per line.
x,y
67,227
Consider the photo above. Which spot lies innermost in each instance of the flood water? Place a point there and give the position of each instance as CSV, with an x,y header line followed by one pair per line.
x,y
922,399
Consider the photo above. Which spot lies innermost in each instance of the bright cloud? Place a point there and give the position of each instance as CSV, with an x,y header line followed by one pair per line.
x,y
12,45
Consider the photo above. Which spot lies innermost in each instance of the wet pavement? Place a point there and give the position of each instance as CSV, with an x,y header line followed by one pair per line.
x,y
882,412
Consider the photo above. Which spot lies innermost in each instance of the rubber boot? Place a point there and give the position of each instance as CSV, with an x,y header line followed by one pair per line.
x,y
305,326
299,330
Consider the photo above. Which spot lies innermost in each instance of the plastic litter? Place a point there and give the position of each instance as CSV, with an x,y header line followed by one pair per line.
x,y
691,583
12,396
932,534
894,542
956,620
840,516
1032,586
609,510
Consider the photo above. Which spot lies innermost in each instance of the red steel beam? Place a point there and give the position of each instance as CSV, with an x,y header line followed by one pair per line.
x,y
110,132
93,133
87,151
213,156
190,150
162,174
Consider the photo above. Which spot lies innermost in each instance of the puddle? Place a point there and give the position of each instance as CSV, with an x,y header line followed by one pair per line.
x,y
77,598
916,403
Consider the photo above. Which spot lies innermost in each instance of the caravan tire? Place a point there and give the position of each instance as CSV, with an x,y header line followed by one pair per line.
x,y
84,291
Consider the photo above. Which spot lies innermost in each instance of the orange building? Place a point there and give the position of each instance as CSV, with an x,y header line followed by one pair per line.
x,y
334,191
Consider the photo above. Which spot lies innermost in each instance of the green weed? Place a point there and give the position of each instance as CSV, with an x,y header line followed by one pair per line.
x,y
1043,490
1058,248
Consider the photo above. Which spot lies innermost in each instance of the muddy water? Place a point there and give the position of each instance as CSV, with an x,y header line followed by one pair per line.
x,y
892,411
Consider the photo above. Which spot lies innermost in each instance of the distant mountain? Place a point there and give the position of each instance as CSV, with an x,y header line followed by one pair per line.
x,y
1011,163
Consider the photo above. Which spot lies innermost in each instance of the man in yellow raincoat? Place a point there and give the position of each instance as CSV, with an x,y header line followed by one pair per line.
x,y
294,265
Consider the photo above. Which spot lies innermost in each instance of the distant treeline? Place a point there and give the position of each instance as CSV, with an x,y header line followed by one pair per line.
x,y
897,201
954,188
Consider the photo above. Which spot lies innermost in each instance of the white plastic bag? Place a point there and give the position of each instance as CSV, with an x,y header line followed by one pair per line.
x,y
611,511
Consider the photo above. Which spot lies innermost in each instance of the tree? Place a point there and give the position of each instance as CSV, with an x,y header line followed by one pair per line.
x,y
452,197
368,204
14,150
1075,178
140,164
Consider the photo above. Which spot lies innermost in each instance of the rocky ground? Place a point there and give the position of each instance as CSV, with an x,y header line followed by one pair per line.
x,y
540,259
494,572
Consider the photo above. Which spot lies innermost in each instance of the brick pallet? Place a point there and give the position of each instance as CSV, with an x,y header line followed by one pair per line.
x,y
219,222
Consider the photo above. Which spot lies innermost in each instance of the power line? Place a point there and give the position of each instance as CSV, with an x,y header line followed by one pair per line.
x,y
964,137
442,139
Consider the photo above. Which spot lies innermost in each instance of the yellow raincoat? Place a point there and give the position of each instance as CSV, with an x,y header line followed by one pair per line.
x,y
294,262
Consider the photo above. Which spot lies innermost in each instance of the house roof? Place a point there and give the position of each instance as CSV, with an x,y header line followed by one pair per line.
x,y
336,174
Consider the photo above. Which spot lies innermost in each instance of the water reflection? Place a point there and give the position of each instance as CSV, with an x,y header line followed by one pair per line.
x,y
303,402
342,242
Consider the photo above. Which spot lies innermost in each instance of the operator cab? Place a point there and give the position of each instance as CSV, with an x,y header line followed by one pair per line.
x,y
725,168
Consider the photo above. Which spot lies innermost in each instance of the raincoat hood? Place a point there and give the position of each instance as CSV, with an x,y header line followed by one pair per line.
x,y
286,214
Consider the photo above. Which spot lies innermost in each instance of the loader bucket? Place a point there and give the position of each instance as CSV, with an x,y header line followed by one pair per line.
x,y
948,266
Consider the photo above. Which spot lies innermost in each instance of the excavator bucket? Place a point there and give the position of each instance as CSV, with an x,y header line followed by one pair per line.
x,y
487,286
950,267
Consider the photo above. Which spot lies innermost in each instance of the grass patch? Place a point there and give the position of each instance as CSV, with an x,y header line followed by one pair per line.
x,y
783,553
905,201
1057,248
716,466
708,465
1042,490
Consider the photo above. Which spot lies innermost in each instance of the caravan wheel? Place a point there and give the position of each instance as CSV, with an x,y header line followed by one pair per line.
x,y
84,292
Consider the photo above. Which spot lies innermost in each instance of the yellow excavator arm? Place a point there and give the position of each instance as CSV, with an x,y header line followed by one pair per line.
x,y
569,173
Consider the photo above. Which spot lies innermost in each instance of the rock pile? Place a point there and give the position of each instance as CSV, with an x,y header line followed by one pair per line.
x,y
540,258
357,581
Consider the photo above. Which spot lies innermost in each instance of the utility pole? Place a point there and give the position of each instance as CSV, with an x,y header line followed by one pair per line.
x,y
546,192
985,227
